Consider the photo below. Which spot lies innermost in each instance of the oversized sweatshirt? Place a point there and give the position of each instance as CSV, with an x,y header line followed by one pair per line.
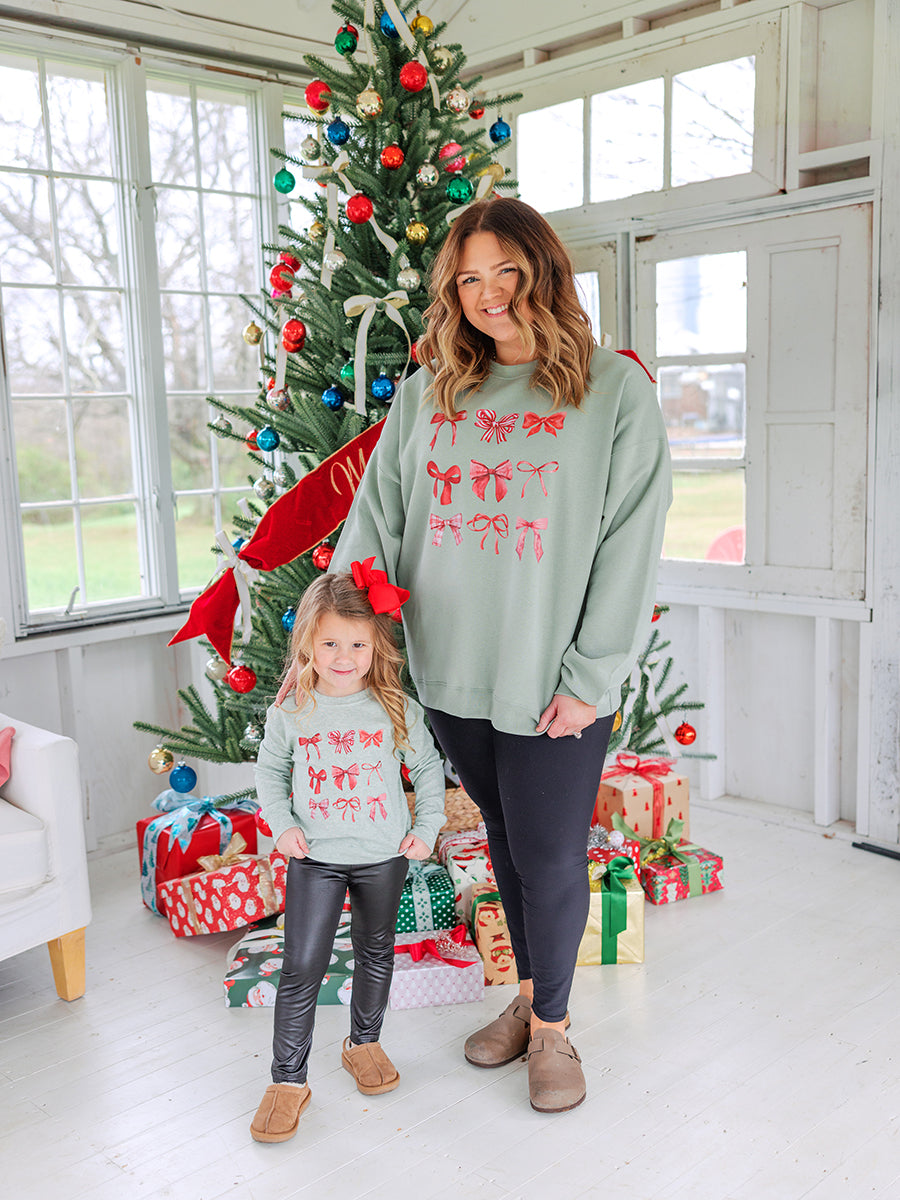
x,y
333,771
528,537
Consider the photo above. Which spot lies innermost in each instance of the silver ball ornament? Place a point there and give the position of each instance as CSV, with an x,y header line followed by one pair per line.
x,y
458,100
427,175
283,477
441,58
279,400
264,488
221,426
216,669
335,259
310,148
408,279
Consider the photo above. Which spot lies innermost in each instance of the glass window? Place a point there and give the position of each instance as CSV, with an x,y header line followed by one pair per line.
x,y
550,147
712,121
627,140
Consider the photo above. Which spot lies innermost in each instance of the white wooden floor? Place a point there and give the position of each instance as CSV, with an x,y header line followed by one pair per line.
x,y
754,1056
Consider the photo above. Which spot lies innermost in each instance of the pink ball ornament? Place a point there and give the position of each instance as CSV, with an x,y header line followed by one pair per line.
x,y
451,158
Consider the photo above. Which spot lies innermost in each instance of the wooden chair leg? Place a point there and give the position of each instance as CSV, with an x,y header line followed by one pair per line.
x,y
67,961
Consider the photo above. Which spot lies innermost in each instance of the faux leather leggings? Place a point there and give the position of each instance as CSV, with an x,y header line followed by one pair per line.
x,y
313,904
536,795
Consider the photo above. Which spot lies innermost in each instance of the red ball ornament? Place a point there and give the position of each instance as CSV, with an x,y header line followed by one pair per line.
x,y
657,613
270,383
685,734
281,277
476,112
293,335
414,352
263,826
322,555
289,260
359,209
241,678
413,76
448,155
250,439
318,96
392,157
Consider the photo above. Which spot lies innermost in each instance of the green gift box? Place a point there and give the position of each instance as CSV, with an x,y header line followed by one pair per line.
x,y
427,900
253,970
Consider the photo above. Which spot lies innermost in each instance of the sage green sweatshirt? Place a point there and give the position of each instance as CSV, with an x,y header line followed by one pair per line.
x,y
529,538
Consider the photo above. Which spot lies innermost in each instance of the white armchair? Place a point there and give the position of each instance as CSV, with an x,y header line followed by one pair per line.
x,y
44,894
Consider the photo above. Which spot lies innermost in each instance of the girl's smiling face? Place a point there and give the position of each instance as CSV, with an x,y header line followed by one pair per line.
x,y
486,283
342,655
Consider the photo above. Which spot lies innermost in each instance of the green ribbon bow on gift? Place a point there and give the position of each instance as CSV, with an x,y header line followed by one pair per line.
x,y
615,905
670,843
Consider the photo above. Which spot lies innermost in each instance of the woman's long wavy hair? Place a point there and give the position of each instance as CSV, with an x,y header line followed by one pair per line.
x,y
338,594
558,335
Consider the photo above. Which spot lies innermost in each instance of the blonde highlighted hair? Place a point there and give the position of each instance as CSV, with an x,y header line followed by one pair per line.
x,y
339,595
558,335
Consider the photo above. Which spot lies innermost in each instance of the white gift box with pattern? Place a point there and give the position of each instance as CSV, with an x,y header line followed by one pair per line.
x,y
431,981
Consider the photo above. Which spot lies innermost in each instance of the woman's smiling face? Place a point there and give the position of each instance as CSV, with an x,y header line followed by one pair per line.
x,y
486,283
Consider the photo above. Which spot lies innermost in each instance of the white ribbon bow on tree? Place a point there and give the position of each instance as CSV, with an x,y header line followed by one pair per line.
x,y
366,307
244,577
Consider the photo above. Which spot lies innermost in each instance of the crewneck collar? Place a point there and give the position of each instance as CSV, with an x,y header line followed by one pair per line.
x,y
512,370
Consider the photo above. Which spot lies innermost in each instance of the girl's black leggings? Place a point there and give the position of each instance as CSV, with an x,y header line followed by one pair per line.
x,y
536,795
313,904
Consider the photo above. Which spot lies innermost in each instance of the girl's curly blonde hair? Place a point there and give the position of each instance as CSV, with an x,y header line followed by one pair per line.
x,y
558,334
338,594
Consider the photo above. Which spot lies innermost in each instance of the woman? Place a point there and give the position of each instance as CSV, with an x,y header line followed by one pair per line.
x,y
519,491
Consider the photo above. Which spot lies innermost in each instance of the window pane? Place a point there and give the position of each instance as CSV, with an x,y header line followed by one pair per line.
x,y
587,285
183,322
550,156
627,140
178,239
95,341
51,561
223,127
232,240
190,442
22,141
232,366
42,450
26,234
110,539
171,132
103,447
88,232
704,410
712,121
31,324
79,123
195,536
706,520
701,304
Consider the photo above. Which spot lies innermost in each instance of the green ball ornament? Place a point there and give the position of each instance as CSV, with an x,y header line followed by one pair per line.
x,y
345,42
460,190
346,374
284,181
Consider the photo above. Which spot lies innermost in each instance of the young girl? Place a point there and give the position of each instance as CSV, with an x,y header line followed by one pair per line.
x,y
328,780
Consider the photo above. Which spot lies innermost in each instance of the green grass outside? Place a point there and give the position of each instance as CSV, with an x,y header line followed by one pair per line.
x,y
705,505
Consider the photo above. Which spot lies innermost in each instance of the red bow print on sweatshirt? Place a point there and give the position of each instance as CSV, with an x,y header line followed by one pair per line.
x,y
350,775
370,739
447,478
486,419
535,424
342,742
481,476
440,419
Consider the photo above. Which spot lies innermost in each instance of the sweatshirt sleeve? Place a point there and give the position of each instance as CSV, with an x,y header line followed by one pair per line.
x,y
621,590
427,776
274,771
374,525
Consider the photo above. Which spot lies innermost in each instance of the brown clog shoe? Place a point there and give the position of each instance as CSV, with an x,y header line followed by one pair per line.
x,y
279,1113
504,1039
370,1067
555,1078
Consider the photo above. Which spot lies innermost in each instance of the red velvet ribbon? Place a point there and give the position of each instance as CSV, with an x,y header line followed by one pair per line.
x,y
653,771
383,596
418,950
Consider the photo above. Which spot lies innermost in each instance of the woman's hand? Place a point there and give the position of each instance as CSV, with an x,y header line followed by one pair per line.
x,y
413,847
292,843
565,715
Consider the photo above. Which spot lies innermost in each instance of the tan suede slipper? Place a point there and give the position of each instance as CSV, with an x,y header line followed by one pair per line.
x,y
370,1067
279,1113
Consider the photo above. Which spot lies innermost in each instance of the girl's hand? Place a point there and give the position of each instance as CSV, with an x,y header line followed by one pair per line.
x,y
565,715
292,843
413,847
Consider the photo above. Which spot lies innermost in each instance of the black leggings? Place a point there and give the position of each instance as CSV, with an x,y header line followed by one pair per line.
x,y
313,904
536,795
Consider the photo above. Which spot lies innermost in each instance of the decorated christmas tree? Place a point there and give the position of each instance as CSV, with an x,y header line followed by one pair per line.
x,y
398,144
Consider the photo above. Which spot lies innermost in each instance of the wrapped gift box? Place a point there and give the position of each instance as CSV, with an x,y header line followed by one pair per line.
x,y
615,925
427,899
646,792
604,846
467,868
424,976
226,897
184,830
690,871
455,840
491,934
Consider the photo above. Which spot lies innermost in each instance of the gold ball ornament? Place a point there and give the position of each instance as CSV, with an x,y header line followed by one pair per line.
x,y
161,760
252,334
423,25
369,104
417,233
441,58
617,721
317,231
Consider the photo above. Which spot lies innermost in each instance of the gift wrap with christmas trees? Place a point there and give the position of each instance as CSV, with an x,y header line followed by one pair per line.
x,y
673,868
646,792
615,925
236,889
426,901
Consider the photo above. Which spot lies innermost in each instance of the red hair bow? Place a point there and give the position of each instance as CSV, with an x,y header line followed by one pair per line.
x,y
383,596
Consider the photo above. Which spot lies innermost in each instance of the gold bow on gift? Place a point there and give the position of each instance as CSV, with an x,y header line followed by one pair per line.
x,y
233,853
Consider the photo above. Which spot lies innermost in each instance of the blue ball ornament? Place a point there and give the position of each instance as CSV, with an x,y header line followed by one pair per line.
x,y
333,398
383,387
499,131
182,778
238,542
267,438
337,132
287,620
388,28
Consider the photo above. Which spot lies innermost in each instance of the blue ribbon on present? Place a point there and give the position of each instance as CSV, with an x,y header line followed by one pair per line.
x,y
181,815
